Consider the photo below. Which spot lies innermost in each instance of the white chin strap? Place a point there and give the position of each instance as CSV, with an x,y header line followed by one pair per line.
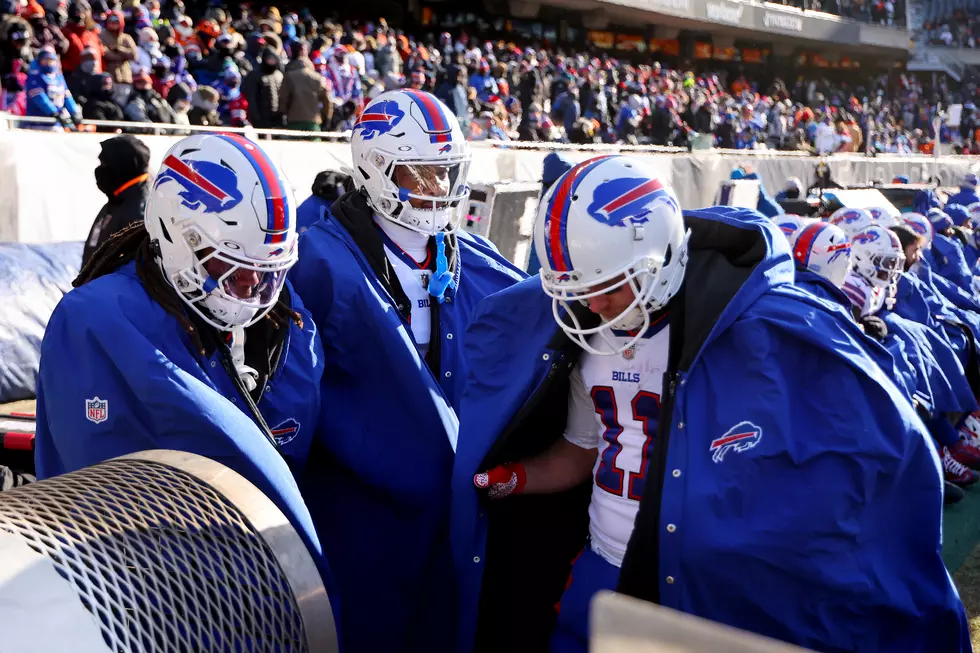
x,y
229,312
630,320
248,375
427,221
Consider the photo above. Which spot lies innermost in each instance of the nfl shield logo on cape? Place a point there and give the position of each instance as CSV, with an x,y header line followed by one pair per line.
x,y
629,352
97,410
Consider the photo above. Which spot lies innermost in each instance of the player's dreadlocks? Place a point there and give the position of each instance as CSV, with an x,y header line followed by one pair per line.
x,y
133,244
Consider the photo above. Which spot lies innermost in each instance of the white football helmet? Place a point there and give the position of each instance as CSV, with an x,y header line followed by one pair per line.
x,y
919,224
940,220
825,249
607,222
791,225
852,221
883,218
411,161
974,223
878,256
222,217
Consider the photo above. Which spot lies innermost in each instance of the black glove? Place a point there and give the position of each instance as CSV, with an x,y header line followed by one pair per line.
x,y
875,327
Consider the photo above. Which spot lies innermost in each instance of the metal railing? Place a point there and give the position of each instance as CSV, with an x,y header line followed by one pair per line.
x,y
7,120
11,121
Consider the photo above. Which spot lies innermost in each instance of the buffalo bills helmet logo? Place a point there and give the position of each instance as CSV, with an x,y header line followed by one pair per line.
x,y
205,184
866,237
379,118
836,251
847,217
916,227
285,432
741,437
788,228
620,200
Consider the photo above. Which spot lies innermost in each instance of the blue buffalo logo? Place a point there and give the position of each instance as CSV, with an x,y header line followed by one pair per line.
x,y
866,237
620,200
285,432
379,118
916,227
741,437
789,228
836,251
848,217
205,184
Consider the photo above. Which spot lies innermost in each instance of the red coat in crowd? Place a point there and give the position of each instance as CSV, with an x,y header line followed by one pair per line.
x,y
80,38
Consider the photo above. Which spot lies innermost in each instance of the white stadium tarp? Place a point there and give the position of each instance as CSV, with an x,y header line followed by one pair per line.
x,y
48,192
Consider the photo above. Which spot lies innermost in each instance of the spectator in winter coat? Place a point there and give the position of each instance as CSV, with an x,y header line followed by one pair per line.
x,y
81,33
145,104
179,99
204,107
454,96
148,50
120,49
826,139
99,103
83,80
232,105
387,60
48,94
45,33
163,78
261,88
15,45
122,175
303,94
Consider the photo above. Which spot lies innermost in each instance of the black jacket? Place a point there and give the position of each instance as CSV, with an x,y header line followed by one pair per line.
x,y
119,212
122,173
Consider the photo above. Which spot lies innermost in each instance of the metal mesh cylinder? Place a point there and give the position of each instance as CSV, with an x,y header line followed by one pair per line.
x,y
169,551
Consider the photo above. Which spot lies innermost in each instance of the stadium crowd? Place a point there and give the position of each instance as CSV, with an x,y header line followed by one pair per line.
x,y
167,63
952,23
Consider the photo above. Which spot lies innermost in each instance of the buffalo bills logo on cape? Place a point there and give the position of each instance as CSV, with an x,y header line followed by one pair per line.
x,y
379,118
617,201
285,432
205,184
740,437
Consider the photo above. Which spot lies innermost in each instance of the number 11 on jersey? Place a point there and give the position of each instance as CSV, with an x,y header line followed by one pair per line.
x,y
646,410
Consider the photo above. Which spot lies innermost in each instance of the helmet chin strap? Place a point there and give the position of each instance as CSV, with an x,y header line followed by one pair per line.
x,y
630,320
248,375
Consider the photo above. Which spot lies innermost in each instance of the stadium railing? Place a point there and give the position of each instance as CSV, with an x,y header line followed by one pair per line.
x,y
11,121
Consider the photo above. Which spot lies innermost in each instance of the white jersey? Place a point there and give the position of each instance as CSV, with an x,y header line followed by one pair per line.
x,y
614,405
410,257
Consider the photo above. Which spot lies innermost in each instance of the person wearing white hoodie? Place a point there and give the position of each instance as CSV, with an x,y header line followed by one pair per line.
x,y
826,139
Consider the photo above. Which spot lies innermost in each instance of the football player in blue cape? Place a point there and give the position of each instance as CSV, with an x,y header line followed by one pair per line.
x,y
183,333
391,283
701,433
